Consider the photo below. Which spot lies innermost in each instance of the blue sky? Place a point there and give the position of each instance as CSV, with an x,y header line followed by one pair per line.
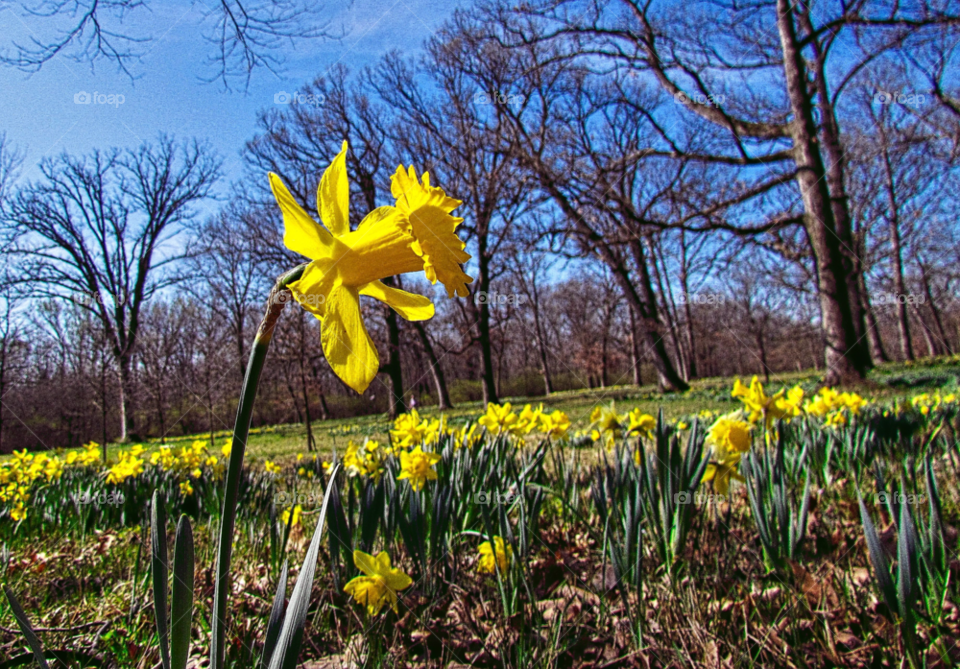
x,y
39,114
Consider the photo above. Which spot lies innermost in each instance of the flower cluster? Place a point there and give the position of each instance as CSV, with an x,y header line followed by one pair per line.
x,y
187,461
785,404
130,464
927,403
502,419
367,460
17,477
834,407
607,425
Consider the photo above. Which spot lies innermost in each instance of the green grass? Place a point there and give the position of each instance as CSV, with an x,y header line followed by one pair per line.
x,y
284,442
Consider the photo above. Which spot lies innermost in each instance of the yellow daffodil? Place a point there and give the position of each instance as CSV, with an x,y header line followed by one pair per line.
x,y
285,516
555,424
834,407
529,419
722,468
417,466
641,424
490,559
730,434
367,460
606,424
768,408
409,430
417,234
379,584
271,467
499,418
185,488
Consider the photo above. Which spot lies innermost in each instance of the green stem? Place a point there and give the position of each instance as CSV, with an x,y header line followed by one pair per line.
x,y
279,296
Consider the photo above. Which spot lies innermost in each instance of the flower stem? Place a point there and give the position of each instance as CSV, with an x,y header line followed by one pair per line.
x,y
279,296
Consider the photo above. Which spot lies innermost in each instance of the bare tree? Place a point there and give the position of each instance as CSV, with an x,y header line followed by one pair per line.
x,y
99,226
244,35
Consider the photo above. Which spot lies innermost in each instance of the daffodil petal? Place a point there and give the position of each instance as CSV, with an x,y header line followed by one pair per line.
x,y
333,195
346,343
410,306
301,234
365,563
311,289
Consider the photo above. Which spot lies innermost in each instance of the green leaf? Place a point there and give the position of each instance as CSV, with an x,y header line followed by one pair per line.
x,y
26,628
877,558
276,617
291,634
906,562
181,605
158,561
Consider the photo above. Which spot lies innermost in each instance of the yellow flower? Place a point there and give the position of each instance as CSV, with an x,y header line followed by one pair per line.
x,y
555,424
607,424
185,488
490,559
418,467
833,406
285,516
642,424
499,418
528,420
409,430
366,461
417,234
380,582
767,408
271,467
227,448
730,434
722,469
130,464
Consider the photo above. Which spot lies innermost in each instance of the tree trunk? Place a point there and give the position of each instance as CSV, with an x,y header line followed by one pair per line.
x,y
877,354
126,398
843,343
542,348
311,443
393,366
439,381
836,190
634,348
937,320
925,330
896,253
688,310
